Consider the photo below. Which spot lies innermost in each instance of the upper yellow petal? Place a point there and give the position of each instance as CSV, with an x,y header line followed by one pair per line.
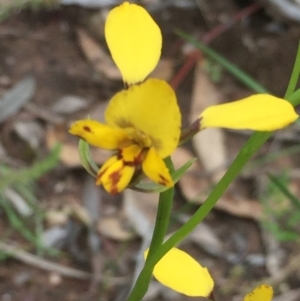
x,y
155,169
261,293
261,112
98,134
151,108
134,40
180,272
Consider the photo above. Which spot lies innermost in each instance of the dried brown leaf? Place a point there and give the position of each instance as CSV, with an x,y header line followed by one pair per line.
x,y
115,227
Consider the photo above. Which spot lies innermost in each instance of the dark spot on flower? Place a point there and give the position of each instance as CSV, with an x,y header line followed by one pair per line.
x,y
115,178
163,181
87,129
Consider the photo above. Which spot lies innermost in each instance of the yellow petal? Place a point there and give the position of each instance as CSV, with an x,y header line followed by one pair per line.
x,y
261,293
98,134
155,169
116,176
261,112
151,108
180,272
104,167
134,40
131,154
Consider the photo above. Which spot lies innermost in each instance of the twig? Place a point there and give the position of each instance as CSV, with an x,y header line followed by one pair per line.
x,y
47,265
209,37
42,263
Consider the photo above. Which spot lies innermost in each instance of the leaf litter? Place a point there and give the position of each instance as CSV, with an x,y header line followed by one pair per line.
x,y
63,71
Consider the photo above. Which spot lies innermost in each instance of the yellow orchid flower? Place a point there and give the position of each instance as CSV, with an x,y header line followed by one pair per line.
x,y
182,273
143,122
135,41
141,136
261,293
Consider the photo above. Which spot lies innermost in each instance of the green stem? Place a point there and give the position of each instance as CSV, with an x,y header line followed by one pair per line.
x,y
295,74
294,200
163,215
294,99
252,145
160,229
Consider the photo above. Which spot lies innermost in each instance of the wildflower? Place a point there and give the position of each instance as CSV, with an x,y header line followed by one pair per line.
x,y
141,134
180,272
143,122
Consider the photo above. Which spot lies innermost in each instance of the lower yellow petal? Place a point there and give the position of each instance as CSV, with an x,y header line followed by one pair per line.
x,y
261,112
115,175
261,293
112,160
134,40
180,272
98,134
155,169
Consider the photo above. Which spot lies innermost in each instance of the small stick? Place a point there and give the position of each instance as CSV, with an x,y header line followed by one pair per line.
x,y
47,265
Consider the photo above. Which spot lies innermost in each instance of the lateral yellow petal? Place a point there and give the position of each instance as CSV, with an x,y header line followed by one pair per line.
x,y
155,169
180,272
151,109
98,134
134,40
116,177
261,112
261,293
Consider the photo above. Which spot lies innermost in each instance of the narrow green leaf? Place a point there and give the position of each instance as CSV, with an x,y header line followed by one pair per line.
x,y
283,189
30,174
86,158
176,175
295,74
229,66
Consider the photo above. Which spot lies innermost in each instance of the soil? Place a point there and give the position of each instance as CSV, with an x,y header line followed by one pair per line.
x,y
44,43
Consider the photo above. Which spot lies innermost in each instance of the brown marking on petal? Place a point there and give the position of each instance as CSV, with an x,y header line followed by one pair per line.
x,y
87,129
119,154
140,157
163,178
137,160
115,178
163,181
